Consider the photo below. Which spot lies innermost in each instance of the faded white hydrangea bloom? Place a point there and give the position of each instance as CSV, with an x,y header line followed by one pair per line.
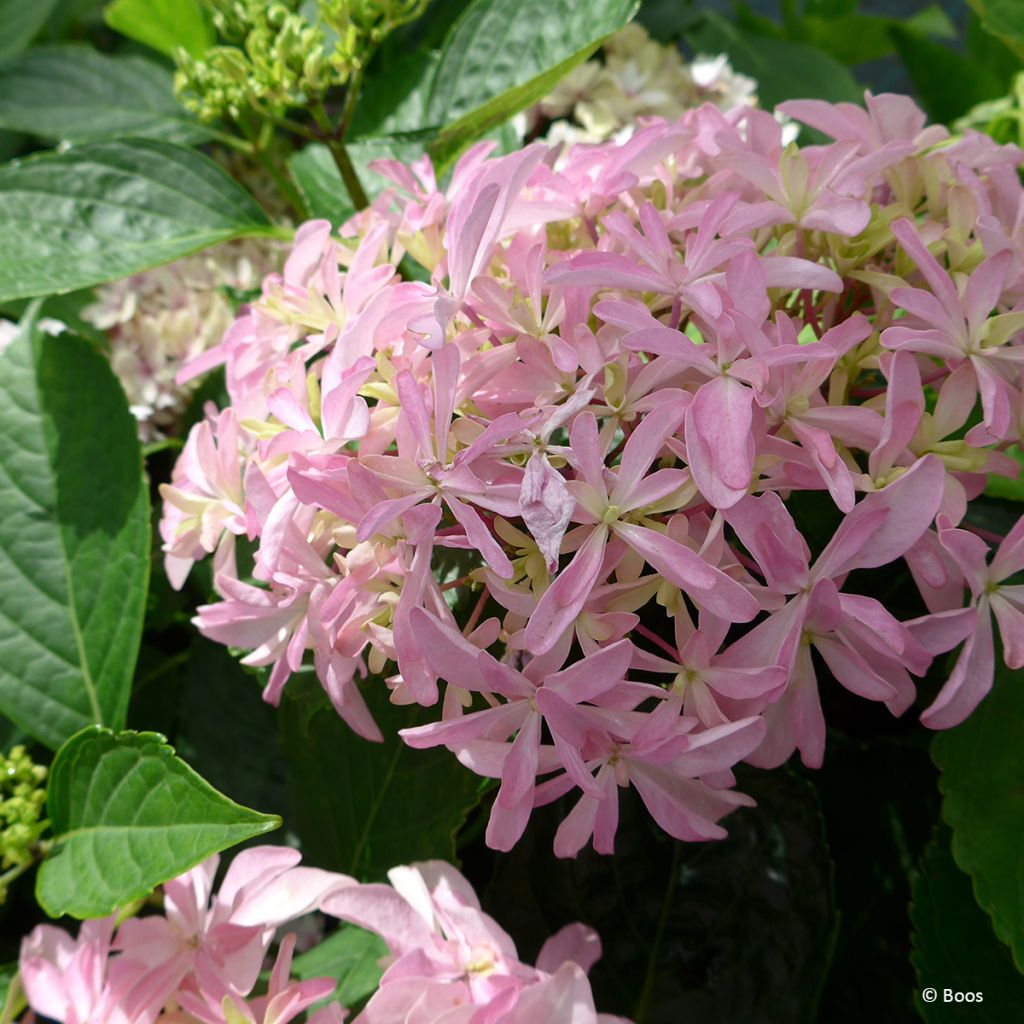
x,y
160,319
9,329
638,77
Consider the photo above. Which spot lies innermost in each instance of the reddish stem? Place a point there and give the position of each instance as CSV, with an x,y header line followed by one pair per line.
x,y
655,639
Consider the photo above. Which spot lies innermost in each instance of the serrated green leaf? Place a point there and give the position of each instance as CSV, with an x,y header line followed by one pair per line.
x,y
20,21
126,816
75,93
163,25
363,807
783,69
982,785
74,537
954,946
503,55
104,210
350,957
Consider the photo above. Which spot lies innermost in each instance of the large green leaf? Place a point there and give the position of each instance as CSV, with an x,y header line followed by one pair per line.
x,y
982,784
954,947
503,55
350,956
225,729
127,815
165,25
783,69
363,807
105,210
857,38
947,83
738,931
75,93
20,20
74,537
1003,19
394,97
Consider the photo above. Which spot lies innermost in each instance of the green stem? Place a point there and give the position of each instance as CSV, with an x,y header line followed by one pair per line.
x,y
15,1002
288,190
351,95
644,1002
342,160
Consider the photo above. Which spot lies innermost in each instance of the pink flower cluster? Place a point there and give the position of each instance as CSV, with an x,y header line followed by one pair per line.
x,y
200,959
198,962
625,360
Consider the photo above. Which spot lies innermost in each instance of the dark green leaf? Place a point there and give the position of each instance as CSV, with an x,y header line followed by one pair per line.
x,y
748,921
127,815
225,729
349,956
503,55
858,38
394,99
1001,56
879,800
946,83
164,25
955,948
667,20
75,93
74,538
982,785
104,210
363,807
783,69
20,21
1005,18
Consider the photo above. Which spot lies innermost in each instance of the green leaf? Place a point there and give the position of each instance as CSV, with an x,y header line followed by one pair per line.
x,y
75,93
858,38
784,70
363,807
503,55
12,997
1005,19
350,956
955,948
74,537
947,84
1001,486
20,21
163,25
317,178
394,99
738,930
105,210
127,815
225,729
982,785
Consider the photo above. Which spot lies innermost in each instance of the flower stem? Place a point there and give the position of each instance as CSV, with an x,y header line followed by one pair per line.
x,y
643,1004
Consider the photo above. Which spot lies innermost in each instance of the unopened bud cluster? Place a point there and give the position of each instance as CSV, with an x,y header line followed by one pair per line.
x,y
22,796
275,57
